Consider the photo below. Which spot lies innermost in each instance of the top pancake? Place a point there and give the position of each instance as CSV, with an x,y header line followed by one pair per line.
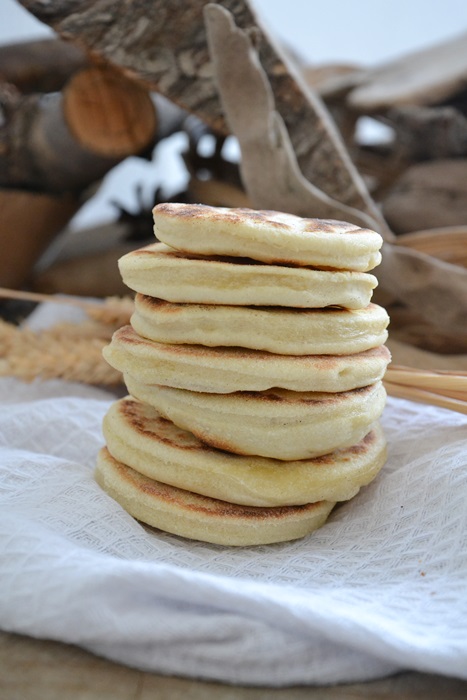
x,y
160,271
269,236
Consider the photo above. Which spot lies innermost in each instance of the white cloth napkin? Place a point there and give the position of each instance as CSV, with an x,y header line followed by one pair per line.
x,y
381,587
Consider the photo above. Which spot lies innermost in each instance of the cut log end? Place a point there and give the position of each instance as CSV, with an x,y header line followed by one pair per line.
x,y
126,125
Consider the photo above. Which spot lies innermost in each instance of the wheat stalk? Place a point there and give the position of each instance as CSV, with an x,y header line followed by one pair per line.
x,y
54,354
74,351
71,351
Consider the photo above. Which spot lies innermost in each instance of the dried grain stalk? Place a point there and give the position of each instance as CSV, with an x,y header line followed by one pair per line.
x,y
70,351
74,352
55,354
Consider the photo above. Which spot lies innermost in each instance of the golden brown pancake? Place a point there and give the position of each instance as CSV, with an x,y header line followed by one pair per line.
x,y
201,518
137,435
268,236
281,424
224,370
274,329
161,271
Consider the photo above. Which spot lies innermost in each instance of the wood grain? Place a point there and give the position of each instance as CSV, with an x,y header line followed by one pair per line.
x,y
32,669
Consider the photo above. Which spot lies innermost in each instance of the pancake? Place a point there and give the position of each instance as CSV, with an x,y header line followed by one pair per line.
x,y
268,236
160,271
281,424
224,370
277,330
137,435
201,518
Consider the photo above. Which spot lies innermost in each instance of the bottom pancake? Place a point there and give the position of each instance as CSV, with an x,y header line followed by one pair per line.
x,y
201,518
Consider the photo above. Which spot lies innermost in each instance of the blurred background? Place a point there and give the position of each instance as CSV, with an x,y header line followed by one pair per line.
x,y
360,33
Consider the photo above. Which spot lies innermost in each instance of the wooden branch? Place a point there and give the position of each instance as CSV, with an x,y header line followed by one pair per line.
x,y
428,195
68,140
108,114
382,165
433,290
425,335
319,77
165,45
426,133
448,243
424,77
92,275
40,66
269,165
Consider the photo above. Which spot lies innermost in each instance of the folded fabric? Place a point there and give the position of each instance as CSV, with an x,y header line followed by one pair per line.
x,y
380,588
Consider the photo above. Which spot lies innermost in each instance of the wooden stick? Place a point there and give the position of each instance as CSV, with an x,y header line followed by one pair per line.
x,y
40,66
73,138
428,397
424,379
6,293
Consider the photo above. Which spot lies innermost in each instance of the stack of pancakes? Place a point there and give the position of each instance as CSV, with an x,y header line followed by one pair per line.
x,y
254,363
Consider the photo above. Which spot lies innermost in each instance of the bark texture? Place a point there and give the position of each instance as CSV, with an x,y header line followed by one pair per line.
x,y
40,66
269,163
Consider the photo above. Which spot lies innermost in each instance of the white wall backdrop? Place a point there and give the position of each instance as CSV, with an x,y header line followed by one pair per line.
x,y
361,31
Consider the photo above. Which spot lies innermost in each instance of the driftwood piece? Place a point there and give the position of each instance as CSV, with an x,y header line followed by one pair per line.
x,y
29,222
84,262
380,165
428,195
423,133
93,275
423,77
433,290
164,44
320,78
40,66
409,356
268,164
448,243
407,325
65,141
